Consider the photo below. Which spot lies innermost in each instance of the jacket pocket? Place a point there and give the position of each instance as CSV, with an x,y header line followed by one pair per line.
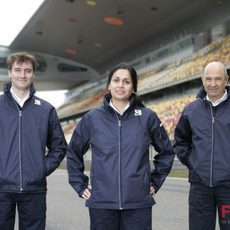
x,y
137,188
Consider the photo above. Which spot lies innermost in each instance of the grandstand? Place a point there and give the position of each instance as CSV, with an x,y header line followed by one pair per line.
x,y
175,73
166,83
169,111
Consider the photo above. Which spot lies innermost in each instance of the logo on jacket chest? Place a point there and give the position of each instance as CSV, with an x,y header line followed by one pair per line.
x,y
137,112
37,102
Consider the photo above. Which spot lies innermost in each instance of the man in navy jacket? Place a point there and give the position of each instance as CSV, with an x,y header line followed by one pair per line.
x,y
32,147
202,144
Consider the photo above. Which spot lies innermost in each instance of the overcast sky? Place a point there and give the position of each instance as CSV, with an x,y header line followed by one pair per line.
x,y
14,14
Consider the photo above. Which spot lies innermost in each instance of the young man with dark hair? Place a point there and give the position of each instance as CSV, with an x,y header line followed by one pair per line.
x,y
32,147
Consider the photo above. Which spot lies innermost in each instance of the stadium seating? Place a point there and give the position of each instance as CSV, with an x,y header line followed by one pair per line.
x,y
169,111
163,76
186,68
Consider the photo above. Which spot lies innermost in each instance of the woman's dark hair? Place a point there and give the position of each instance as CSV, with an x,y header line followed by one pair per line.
x,y
131,70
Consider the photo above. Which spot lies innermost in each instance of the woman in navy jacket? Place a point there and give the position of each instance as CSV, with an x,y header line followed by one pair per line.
x,y
120,132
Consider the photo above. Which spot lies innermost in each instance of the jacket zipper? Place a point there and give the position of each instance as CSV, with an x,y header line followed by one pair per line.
x,y
20,140
19,144
19,152
119,159
212,150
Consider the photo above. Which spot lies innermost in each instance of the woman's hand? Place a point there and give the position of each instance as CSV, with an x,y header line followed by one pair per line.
x,y
87,193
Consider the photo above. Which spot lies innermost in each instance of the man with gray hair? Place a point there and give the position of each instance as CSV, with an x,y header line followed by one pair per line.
x,y
202,144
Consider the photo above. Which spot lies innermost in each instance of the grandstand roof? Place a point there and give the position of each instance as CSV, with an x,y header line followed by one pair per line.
x,y
100,33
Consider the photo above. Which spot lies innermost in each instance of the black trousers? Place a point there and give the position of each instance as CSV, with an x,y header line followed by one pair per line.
x,y
31,210
204,203
130,219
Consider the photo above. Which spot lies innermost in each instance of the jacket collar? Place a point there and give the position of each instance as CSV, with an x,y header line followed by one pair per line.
x,y
108,97
7,87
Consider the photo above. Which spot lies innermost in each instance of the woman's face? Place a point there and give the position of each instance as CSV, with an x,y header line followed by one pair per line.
x,y
121,85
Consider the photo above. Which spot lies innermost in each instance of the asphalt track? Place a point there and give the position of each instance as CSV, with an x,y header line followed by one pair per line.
x,y
66,211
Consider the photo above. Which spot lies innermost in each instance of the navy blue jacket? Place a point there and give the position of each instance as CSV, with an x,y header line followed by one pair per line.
x,y
202,141
120,171
26,134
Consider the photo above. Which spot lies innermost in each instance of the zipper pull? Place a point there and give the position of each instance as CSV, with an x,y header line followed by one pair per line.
x,y
119,123
213,120
20,113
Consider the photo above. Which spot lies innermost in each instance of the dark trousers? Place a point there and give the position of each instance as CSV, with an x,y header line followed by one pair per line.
x,y
31,210
204,203
130,219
